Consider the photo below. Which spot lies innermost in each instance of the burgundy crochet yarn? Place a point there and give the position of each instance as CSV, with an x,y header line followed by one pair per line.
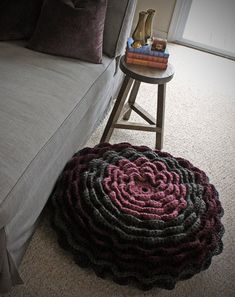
x,y
137,215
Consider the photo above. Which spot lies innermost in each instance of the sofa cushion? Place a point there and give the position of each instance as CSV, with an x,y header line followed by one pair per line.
x,y
38,96
71,28
18,18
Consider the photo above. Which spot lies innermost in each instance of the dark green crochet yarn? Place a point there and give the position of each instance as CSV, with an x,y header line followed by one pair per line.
x,y
137,215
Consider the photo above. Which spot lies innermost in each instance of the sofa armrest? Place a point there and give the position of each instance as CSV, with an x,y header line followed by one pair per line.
x,y
119,18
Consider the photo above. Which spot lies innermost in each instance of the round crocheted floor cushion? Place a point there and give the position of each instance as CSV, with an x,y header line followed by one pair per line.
x,y
137,215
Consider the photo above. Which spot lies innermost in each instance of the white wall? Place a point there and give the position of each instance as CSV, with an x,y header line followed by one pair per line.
x,y
216,26
164,10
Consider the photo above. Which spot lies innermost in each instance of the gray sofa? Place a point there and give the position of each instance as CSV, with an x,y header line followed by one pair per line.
x,y
49,106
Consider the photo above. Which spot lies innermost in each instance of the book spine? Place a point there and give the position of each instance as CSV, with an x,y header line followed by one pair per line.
x,y
147,58
146,63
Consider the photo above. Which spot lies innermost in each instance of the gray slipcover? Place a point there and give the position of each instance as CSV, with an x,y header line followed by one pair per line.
x,y
119,17
49,106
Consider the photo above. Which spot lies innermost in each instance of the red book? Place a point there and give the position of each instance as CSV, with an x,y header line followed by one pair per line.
x,y
146,57
152,64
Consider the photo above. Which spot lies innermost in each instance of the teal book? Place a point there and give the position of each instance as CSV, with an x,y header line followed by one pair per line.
x,y
145,50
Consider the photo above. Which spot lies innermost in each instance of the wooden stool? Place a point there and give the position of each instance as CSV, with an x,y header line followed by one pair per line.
x,y
134,75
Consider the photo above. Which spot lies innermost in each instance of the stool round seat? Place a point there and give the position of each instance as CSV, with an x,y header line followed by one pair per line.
x,y
147,74
137,215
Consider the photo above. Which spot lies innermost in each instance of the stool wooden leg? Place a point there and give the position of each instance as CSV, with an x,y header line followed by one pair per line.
x,y
131,99
126,85
160,115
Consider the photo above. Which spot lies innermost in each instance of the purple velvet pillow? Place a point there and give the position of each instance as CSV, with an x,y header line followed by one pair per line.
x,y
71,29
18,18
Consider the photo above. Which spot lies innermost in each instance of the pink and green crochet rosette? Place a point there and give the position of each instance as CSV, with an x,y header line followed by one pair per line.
x,y
137,215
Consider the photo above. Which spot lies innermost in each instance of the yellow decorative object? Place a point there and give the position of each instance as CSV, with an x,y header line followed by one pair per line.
x,y
149,26
139,32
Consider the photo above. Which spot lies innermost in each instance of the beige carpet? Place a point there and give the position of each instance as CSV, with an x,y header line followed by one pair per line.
x,y
199,126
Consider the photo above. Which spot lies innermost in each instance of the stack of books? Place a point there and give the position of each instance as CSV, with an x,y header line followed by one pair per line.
x,y
146,56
